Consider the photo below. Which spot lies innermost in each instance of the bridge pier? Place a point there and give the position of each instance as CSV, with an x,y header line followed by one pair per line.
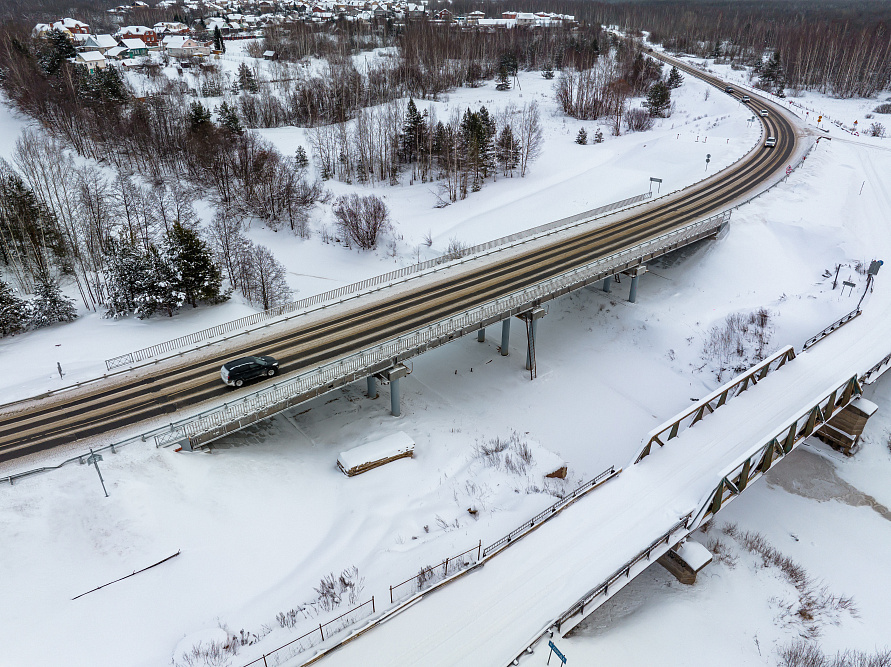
x,y
481,335
531,318
371,386
635,274
607,284
393,376
685,560
505,337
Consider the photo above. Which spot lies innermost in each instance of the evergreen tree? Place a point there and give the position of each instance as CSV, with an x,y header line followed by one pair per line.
x,y
773,77
246,79
198,278
548,70
411,129
13,311
598,136
218,43
300,159
582,137
502,79
125,273
227,116
486,139
55,51
507,151
659,99
198,117
158,290
49,304
674,78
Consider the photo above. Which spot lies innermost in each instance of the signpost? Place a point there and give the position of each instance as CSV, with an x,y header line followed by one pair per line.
x,y
708,158
788,170
94,459
555,651
658,187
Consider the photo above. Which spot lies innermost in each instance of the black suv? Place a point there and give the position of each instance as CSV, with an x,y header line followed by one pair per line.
x,y
236,373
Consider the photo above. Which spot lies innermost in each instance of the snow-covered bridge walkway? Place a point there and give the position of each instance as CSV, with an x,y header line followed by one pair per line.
x,y
490,615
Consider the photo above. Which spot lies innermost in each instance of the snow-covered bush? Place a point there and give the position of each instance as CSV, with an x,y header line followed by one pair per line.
x,y
362,219
876,130
511,454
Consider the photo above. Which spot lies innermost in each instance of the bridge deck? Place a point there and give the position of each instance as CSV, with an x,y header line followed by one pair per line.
x,y
488,616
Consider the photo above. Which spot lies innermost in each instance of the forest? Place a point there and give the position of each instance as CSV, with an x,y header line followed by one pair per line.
x,y
114,225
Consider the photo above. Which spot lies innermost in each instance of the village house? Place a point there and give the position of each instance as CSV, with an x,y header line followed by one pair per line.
x,y
100,43
147,35
72,26
135,47
179,46
91,60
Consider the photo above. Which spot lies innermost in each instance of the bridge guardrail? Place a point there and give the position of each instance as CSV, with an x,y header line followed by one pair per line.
x,y
546,514
355,288
838,324
719,397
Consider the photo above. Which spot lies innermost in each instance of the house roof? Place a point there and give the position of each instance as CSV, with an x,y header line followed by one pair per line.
x,y
116,51
91,56
102,41
133,43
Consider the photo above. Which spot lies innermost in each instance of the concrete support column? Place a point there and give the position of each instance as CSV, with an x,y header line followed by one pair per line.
x,y
607,284
635,274
395,407
394,375
372,386
531,345
632,294
505,337
481,335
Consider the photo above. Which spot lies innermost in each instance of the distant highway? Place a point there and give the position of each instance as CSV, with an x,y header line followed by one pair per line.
x,y
46,423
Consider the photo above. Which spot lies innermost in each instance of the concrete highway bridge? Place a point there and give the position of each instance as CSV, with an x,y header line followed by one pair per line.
x,y
371,334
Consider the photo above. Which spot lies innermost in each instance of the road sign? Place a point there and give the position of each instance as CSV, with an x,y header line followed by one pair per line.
x,y
788,170
93,458
819,119
874,266
555,651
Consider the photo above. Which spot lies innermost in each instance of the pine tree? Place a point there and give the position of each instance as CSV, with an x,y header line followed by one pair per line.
x,y
598,136
158,289
301,161
125,272
410,132
246,79
49,304
507,151
13,311
658,99
773,77
582,137
487,143
502,79
198,116
198,278
228,118
58,48
674,78
218,40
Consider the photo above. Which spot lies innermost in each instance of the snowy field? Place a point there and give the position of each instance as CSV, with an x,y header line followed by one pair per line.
x,y
263,518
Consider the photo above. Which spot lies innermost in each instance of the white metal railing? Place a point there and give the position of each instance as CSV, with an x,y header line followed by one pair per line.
x,y
358,287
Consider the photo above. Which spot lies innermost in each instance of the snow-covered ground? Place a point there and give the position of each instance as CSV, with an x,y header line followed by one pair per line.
x,y
264,517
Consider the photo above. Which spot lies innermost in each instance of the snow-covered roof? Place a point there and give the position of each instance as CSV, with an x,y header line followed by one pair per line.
x,y
90,57
71,23
133,43
102,41
268,54
116,51
134,30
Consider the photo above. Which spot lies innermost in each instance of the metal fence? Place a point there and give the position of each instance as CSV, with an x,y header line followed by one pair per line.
x,y
435,573
229,417
546,514
359,287
315,636
624,571
838,324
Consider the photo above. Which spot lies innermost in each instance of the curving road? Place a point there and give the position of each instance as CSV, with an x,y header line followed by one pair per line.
x,y
45,423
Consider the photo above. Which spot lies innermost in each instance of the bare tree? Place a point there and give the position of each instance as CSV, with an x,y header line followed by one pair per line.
x,y
530,136
361,219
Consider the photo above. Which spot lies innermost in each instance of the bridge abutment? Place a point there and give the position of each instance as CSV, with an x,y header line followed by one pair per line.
x,y
685,560
843,431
